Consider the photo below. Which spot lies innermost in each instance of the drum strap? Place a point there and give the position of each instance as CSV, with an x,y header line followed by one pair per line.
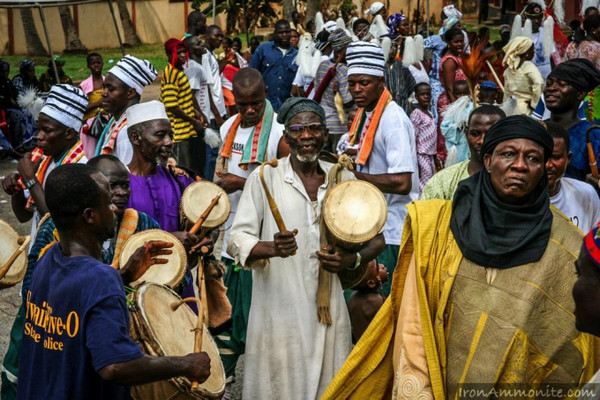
x,y
128,226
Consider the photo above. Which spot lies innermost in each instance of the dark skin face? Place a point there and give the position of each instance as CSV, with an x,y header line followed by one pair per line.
x,y
294,39
115,94
529,54
516,167
487,96
214,38
461,90
201,24
560,96
30,73
155,143
226,45
423,96
195,46
361,30
250,103
95,65
282,35
296,17
586,294
479,125
536,22
105,221
403,28
53,137
365,90
181,56
557,164
118,180
457,45
306,144
254,43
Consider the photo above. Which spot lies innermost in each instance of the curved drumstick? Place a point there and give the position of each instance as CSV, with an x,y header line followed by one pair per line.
x,y
272,205
590,149
199,326
4,269
204,215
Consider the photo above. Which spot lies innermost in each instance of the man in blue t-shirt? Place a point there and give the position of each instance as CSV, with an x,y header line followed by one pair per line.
x,y
76,343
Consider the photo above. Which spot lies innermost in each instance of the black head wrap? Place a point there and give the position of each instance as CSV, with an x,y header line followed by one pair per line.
x,y
517,127
533,10
295,105
495,234
580,73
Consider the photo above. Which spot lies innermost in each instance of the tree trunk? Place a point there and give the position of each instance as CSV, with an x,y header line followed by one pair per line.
x,y
288,7
131,38
312,6
32,39
72,42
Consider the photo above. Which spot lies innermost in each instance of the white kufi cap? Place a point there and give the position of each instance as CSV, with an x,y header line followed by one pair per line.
x,y
148,111
134,72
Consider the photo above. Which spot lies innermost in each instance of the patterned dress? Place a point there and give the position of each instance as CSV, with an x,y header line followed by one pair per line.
x,y
459,75
426,141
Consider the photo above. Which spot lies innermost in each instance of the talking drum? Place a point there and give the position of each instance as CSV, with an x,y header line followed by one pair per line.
x,y
354,212
169,274
195,200
13,256
162,331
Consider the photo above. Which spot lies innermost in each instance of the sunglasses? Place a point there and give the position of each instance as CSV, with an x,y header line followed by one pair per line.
x,y
313,128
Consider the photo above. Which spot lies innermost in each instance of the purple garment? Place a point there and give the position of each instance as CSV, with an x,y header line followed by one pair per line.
x,y
158,196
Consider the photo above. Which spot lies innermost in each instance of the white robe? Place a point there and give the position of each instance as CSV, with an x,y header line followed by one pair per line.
x,y
289,354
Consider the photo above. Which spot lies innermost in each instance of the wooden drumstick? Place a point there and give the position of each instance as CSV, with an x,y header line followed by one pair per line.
x,y
272,205
4,269
590,149
204,215
199,331
493,71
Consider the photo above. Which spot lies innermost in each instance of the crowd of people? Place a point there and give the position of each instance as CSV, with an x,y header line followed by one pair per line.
x,y
485,154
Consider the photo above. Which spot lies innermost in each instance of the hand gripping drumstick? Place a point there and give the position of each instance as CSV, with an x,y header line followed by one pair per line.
x,y
203,217
24,242
198,332
272,205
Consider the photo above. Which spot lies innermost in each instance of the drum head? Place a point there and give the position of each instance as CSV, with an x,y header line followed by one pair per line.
x,y
354,211
174,332
8,246
197,197
166,274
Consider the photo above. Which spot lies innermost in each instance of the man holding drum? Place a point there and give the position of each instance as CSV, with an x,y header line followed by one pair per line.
x,y
249,138
387,155
76,342
290,354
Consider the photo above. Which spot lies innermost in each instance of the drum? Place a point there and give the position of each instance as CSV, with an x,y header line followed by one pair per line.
x,y
354,212
169,274
163,332
9,244
195,200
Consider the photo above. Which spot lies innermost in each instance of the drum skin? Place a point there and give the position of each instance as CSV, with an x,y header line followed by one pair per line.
x,y
163,332
169,274
197,197
8,246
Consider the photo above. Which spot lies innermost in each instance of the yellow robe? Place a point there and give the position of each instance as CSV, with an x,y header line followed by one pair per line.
x,y
449,322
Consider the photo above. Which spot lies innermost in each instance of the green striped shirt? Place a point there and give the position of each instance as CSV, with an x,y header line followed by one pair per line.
x,y
175,91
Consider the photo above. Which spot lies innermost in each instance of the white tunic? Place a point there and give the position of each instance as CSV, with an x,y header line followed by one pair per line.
x,y
289,354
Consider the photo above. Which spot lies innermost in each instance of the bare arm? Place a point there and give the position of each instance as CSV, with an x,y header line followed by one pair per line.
x,y
448,70
147,369
388,183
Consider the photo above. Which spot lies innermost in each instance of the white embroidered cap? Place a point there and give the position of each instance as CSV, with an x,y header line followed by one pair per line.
x,y
134,72
365,58
148,111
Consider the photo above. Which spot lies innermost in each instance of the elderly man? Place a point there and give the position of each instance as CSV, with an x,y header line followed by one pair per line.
x,y
275,61
330,86
122,88
249,138
289,352
481,299
387,155
566,87
58,137
76,318
444,183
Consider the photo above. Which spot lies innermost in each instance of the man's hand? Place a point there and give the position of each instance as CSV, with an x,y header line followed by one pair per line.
x,y
229,182
334,259
198,367
27,168
284,243
187,239
143,258
207,243
10,185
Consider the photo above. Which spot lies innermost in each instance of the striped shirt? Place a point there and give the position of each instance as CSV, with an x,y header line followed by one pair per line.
x,y
175,91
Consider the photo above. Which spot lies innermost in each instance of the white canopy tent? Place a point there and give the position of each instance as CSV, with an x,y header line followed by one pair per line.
x,y
41,4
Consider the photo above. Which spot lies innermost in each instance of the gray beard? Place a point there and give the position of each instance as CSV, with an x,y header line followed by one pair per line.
x,y
307,159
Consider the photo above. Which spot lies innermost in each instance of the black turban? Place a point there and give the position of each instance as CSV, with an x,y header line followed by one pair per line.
x,y
580,73
533,10
296,105
517,127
